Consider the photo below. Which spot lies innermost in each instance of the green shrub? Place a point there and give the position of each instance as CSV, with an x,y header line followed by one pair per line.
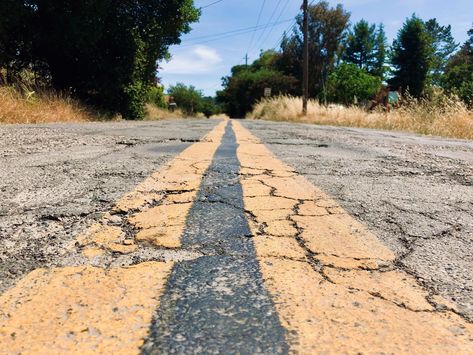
x,y
349,83
156,96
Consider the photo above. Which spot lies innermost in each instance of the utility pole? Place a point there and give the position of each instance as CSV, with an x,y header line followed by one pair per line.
x,y
305,65
246,59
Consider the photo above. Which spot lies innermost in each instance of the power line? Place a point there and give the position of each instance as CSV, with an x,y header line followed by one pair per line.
x,y
229,34
245,29
291,26
269,21
211,4
278,18
257,24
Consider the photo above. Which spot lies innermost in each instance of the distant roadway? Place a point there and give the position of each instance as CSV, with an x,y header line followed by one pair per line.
x,y
233,236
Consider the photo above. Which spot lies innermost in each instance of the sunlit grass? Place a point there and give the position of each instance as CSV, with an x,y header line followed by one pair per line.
x,y
43,107
441,116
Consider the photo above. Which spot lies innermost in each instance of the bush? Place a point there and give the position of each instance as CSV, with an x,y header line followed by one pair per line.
x,y
156,96
102,52
349,83
246,88
187,98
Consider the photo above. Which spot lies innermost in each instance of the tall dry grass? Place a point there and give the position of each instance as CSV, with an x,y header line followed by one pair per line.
x,y
155,113
44,107
439,115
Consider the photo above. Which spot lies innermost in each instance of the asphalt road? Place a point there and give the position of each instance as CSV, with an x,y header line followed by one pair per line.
x,y
413,193
56,180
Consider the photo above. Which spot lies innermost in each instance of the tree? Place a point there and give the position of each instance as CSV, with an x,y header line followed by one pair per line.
x,y
360,46
366,47
444,46
458,76
102,51
243,90
379,67
187,98
412,57
327,31
348,84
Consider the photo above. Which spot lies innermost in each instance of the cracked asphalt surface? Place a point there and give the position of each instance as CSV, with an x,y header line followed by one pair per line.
x,y
57,179
245,254
414,192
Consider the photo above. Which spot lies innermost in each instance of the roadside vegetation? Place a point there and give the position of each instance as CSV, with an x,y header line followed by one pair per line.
x,y
45,107
444,116
102,53
422,82
97,60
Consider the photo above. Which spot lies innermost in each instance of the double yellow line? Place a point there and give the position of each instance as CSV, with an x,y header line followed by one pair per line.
x,y
332,281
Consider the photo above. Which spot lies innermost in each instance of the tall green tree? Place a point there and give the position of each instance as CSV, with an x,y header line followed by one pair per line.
x,y
328,28
360,45
458,76
102,51
366,47
381,44
444,46
412,57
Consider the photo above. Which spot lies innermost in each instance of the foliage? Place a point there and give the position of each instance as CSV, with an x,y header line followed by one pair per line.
x,y
436,114
412,57
327,31
245,88
187,98
156,96
443,47
348,84
209,107
192,101
366,47
381,44
101,51
458,76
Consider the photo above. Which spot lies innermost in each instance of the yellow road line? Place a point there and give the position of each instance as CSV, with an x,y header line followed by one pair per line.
x,y
172,190
333,282
89,310
81,310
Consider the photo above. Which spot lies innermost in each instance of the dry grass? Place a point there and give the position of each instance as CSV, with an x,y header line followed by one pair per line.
x,y
155,113
220,116
440,116
40,108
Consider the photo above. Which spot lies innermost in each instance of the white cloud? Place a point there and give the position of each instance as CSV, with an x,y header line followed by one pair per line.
x,y
198,60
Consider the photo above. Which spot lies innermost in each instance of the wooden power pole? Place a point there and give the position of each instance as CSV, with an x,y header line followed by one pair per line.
x,y
305,69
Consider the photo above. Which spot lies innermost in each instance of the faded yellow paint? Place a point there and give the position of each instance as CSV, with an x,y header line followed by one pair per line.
x,y
341,235
99,238
269,246
281,228
81,310
335,319
89,310
162,236
345,300
171,190
395,286
268,203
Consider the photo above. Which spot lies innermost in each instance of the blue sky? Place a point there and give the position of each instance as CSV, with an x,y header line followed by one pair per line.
x,y
201,60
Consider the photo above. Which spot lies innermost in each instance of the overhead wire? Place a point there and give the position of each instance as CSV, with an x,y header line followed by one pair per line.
x,y
211,4
228,34
291,26
277,19
257,24
266,26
